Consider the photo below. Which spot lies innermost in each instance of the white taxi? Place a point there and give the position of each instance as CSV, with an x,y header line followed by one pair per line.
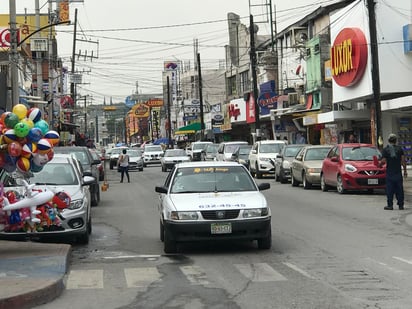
x,y
212,201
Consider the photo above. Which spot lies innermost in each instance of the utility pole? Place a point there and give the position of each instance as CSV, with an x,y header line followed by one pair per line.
x,y
39,58
202,121
13,58
72,85
375,106
169,126
254,75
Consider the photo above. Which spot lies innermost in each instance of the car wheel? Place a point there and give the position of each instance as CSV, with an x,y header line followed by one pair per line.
x,y
141,169
323,186
265,243
293,181
282,176
96,195
83,239
306,184
170,245
89,226
162,232
258,174
339,185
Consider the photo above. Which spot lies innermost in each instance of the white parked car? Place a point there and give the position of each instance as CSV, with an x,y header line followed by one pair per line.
x,y
262,157
197,150
152,154
173,156
226,150
212,200
62,174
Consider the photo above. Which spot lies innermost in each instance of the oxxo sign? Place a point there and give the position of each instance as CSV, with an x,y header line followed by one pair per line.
x,y
349,56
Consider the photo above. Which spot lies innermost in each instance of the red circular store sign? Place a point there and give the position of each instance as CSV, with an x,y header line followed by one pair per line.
x,y
349,56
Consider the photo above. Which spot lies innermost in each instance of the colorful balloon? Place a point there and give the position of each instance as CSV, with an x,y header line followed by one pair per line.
x,y
34,114
40,159
35,134
11,120
42,125
14,149
28,150
61,200
3,117
44,146
53,137
21,129
35,168
28,121
23,164
20,110
9,136
50,154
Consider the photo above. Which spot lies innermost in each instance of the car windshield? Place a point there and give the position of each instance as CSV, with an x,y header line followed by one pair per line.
x,y
212,148
117,151
212,179
78,154
197,146
316,154
153,148
56,174
175,153
231,148
360,153
292,151
244,151
270,148
134,153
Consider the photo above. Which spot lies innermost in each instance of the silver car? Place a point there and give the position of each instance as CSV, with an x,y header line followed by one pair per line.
x,y
59,218
307,165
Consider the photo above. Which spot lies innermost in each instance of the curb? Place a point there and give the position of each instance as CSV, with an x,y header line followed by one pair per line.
x,y
31,274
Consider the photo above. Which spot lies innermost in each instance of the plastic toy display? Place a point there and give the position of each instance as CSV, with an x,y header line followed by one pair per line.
x,y
26,145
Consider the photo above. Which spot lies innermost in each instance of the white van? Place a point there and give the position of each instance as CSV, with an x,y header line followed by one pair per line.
x,y
226,149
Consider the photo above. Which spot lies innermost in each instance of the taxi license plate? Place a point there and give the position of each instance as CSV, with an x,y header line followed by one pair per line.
x,y
373,181
221,228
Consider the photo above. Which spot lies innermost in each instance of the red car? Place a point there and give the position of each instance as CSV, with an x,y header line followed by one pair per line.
x,y
352,167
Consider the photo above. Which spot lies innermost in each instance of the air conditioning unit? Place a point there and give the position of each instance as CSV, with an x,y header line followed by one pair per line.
x,y
299,36
293,98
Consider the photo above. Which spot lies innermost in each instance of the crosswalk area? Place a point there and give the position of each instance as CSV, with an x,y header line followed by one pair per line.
x,y
141,278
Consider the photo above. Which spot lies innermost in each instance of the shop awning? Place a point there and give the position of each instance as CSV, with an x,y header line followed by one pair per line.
x,y
189,129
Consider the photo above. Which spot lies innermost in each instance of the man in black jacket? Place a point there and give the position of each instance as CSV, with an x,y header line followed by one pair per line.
x,y
394,158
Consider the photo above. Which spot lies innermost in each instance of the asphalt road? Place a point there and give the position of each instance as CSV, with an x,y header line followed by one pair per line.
x,y
329,251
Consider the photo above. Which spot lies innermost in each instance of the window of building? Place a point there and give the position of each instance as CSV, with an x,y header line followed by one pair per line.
x,y
232,85
244,82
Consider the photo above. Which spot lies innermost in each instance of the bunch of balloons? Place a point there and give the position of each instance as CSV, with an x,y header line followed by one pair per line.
x,y
26,143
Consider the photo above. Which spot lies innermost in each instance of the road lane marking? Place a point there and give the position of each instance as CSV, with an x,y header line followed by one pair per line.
x,y
392,269
141,277
195,275
85,279
301,271
402,260
259,272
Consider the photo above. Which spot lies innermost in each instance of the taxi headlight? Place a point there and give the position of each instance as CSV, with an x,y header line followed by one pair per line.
x,y
286,164
184,215
258,212
76,204
264,159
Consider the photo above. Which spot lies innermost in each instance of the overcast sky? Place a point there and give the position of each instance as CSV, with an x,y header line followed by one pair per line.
x,y
136,37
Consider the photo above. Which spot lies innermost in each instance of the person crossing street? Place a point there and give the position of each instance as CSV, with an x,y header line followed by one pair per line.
x,y
123,165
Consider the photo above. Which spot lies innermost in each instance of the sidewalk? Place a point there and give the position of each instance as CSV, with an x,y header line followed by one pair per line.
x,y
31,273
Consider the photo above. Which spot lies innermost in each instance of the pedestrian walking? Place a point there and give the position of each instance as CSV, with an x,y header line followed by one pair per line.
x,y
394,158
123,165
